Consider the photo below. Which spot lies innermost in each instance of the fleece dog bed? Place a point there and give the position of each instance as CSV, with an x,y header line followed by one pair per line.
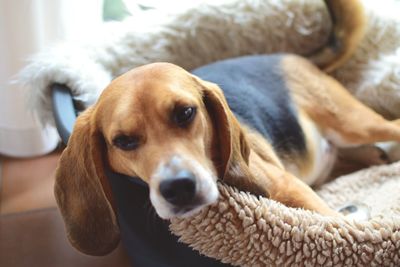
x,y
245,230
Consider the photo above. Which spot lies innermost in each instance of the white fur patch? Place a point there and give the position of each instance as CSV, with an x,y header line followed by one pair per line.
x,y
324,159
322,151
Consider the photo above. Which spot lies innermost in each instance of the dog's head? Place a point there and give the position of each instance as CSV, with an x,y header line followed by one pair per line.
x,y
157,122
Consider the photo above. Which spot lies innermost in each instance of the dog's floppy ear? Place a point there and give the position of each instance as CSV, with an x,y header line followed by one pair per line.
x,y
83,193
233,150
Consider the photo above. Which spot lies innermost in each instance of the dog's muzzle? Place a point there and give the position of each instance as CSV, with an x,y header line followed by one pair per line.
x,y
179,190
181,187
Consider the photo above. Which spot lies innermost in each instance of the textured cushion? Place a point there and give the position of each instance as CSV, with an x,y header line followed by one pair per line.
x,y
244,230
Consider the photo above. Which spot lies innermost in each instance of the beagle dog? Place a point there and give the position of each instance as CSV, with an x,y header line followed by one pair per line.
x,y
267,124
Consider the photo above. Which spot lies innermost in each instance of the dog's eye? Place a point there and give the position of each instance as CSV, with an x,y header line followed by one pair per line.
x,y
126,142
184,115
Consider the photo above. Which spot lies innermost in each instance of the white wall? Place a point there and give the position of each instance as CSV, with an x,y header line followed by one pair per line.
x,y
26,27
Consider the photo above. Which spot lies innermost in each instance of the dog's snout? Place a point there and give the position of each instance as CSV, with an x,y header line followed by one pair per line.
x,y
179,190
181,186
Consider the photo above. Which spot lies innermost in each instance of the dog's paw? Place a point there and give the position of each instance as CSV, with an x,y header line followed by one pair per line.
x,y
391,149
356,211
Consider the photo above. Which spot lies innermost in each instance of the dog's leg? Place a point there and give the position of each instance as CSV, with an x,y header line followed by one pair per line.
x,y
343,119
286,188
362,127
365,155
346,122
295,193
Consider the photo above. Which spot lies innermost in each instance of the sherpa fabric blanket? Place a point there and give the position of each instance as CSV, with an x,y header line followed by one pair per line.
x,y
242,229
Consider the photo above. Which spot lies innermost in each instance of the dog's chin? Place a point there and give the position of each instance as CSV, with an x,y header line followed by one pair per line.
x,y
187,212
167,211
180,212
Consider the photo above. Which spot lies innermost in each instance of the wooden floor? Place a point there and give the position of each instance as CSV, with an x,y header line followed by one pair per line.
x,y
32,232
27,184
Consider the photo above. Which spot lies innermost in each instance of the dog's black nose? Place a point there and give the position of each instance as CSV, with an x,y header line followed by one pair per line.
x,y
179,190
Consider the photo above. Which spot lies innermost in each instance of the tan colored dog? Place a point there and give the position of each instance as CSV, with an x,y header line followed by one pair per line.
x,y
178,133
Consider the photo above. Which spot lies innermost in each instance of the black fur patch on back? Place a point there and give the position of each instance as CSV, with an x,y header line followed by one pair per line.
x,y
256,92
